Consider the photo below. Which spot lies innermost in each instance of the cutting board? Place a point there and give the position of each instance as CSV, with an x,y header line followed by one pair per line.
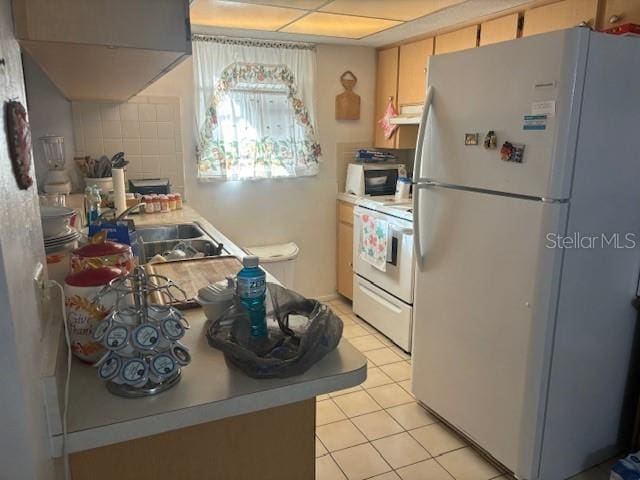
x,y
193,274
348,103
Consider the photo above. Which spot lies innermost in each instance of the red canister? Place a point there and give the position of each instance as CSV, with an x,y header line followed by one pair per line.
x,y
102,254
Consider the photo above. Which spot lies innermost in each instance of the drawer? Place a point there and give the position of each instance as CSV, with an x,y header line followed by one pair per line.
x,y
345,212
390,316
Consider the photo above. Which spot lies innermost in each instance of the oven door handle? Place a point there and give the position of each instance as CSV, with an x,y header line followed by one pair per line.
x,y
400,230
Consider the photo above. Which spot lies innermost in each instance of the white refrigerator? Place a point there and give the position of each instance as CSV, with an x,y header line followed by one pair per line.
x,y
523,329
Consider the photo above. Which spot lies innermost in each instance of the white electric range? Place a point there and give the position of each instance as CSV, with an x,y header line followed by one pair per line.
x,y
384,299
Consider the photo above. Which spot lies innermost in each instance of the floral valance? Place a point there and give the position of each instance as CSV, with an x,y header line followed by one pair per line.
x,y
256,122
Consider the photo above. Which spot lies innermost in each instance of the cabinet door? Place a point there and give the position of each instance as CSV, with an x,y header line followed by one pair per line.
x,y
412,73
627,11
457,40
345,249
143,24
559,15
499,30
386,87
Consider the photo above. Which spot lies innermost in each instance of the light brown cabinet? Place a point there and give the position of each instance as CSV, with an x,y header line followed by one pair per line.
x,y
457,40
103,50
412,71
499,29
559,15
621,11
186,453
345,249
387,89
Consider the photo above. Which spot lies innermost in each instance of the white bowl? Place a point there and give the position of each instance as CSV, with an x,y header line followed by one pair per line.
x,y
55,220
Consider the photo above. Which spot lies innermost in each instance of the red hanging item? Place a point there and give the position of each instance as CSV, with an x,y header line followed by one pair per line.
x,y
19,140
385,122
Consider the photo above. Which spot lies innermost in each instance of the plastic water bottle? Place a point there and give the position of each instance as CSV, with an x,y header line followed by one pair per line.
x,y
251,288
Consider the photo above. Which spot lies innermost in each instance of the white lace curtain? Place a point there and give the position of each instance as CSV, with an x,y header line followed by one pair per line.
x,y
255,112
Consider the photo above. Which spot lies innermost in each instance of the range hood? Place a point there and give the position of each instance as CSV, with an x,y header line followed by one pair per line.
x,y
409,115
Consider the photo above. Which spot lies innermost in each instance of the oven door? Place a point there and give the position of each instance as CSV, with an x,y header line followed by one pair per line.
x,y
380,181
398,277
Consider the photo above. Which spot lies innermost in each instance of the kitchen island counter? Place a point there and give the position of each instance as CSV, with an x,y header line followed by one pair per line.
x,y
210,389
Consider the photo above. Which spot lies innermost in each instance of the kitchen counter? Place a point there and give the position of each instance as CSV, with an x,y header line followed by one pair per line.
x,y
210,389
348,197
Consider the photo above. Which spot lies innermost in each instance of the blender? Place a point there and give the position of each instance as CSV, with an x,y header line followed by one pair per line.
x,y
57,179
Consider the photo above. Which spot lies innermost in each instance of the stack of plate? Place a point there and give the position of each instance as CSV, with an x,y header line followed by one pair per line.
x,y
57,242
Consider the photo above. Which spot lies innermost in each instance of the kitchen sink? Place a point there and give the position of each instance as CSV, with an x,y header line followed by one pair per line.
x,y
159,233
190,247
183,240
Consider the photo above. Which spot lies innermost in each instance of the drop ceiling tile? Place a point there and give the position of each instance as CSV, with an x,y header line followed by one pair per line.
x,y
344,26
394,10
303,4
241,15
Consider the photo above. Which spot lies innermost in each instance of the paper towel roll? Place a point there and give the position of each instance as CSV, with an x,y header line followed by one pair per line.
x,y
119,194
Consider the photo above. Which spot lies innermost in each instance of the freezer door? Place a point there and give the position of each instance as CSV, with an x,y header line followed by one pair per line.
x,y
498,88
483,316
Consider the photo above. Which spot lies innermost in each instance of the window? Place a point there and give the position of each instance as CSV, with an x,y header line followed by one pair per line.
x,y
254,109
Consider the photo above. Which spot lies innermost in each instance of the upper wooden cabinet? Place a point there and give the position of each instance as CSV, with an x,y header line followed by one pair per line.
x,y
412,72
499,30
559,15
457,40
626,11
103,49
387,88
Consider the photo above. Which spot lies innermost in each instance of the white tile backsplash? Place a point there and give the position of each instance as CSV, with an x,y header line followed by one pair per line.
x,y
131,129
147,129
164,113
112,129
113,145
131,146
165,130
110,113
92,129
129,111
147,113
149,146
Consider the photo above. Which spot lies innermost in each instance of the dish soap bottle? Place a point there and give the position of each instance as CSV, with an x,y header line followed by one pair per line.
x,y
92,202
251,288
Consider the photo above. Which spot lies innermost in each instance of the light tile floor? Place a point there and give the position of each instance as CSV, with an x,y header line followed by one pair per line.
x,y
377,430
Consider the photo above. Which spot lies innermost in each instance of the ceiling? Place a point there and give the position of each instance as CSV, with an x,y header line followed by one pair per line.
x,y
359,22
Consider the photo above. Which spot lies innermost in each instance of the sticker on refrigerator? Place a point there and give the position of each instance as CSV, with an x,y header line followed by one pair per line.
x,y
546,107
534,122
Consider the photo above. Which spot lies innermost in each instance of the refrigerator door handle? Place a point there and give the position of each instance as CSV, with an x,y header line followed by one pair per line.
x,y
417,244
421,133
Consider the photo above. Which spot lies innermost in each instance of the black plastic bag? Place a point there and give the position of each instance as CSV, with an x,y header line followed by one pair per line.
x,y
306,330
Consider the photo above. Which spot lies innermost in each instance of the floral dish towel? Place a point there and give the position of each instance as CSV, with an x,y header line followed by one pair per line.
x,y
374,239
